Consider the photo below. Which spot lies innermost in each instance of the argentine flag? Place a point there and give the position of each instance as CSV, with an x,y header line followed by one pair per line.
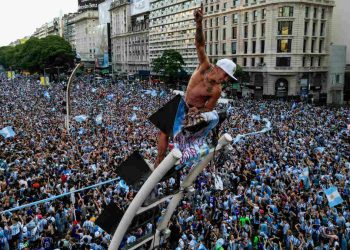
x,y
47,95
133,117
256,117
7,132
333,196
98,119
80,118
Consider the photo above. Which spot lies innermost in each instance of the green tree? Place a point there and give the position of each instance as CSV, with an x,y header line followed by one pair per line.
x,y
170,64
38,54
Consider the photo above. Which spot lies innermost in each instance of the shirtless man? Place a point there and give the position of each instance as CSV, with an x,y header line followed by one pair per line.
x,y
204,88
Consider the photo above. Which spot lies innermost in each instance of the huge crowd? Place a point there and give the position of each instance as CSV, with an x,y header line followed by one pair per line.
x,y
267,201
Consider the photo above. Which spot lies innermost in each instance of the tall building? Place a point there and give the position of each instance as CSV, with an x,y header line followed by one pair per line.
x,y
339,78
129,37
86,35
283,45
172,27
68,28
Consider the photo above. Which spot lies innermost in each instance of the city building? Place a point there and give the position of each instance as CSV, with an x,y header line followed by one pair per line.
x,y
283,45
340,38
68,28
85,34
172,27
129,37
47,29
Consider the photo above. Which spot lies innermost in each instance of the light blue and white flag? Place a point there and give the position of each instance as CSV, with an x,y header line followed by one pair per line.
x,y
162,93
110,97
80,118
7,132
154,93
133,117
319,149
93,90
98,119
256,117
333,196
47,95
305,172
135,108
123,185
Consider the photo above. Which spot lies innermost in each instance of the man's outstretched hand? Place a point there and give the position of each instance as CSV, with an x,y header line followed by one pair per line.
x,y
198,14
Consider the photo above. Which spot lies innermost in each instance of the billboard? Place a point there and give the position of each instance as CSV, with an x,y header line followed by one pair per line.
x,y
84,5
139,6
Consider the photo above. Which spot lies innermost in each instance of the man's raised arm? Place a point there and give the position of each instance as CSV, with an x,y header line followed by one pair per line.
x,y
199,39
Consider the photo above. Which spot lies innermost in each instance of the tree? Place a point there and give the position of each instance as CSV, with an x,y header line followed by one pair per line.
x,y
38,54
170,64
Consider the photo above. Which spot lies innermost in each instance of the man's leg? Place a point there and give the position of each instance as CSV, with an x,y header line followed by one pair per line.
x,y
163,142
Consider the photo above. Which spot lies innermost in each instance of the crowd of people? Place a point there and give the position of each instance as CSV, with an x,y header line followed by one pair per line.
x,y
274,184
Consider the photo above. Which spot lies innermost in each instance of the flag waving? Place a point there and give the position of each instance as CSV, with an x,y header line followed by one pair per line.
x,y
333,196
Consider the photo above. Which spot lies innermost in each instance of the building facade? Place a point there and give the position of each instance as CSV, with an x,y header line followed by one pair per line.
x,y
340,37
283,45
85,34
172,27
68,29
129,38
47,29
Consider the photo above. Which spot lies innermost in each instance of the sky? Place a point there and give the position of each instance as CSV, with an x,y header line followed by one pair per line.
x,y
20,18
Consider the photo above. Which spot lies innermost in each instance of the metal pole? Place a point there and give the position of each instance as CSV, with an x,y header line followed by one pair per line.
x,y
68,95
141,196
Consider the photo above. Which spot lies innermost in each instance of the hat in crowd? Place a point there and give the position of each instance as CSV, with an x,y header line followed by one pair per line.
x,y
40,216
228,66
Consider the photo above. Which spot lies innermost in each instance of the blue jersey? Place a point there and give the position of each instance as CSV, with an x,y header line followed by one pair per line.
x,y
47,243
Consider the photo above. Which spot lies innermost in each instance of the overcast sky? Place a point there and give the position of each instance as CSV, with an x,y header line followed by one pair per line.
x,y
20,18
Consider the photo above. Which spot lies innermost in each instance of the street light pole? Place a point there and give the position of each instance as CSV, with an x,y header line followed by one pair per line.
x,y
68,95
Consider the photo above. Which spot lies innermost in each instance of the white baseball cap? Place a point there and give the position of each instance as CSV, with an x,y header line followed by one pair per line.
x,y
228,66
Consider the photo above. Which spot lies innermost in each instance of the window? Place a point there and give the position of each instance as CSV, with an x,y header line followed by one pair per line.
x,y
253,62
216,35
323,14
224,20
320,46
225,5
311,62
261,60
246,2
211,8
286,11
211,35
217,7
263,15
210,49
216,49
283,62
253,47
223,34
217,21
246,17
205,23
314,28
244,62
307,12
224,48
263,29
285,27
322,29
246,31
304,61
254,30
234,32
234,18
304,45
262,46
234,3
306,27
245,47
234,47
315,13
284,45
211,22
313,45
255,15
319,62
234,59
337,78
